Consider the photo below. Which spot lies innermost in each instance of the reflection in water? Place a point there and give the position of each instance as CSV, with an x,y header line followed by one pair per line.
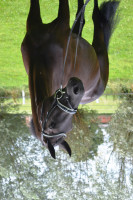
x,y
121,136
86,136
93,172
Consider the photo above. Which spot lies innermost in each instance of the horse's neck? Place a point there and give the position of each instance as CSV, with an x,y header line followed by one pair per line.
x,y
42,84
39,85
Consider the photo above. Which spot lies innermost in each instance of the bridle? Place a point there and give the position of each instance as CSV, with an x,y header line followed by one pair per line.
x,y
59,94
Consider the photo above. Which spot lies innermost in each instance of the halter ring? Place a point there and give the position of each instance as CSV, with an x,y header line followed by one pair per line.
x,y
59,94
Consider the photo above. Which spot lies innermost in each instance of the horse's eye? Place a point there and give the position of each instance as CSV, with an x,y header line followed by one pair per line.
x,y
52,125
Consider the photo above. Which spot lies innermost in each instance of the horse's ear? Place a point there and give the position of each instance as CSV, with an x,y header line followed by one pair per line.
x,y
65,146
51,149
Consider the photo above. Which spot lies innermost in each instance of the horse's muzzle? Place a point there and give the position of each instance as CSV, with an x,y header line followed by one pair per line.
x,y
75,90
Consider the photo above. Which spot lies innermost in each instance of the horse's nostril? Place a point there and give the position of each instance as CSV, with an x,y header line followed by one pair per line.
x,y
76,90
52,125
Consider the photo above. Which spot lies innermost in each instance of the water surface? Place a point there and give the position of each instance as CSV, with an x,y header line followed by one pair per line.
x,y
101,166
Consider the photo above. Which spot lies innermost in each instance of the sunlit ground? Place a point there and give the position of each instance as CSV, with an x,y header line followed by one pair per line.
x,y
105,104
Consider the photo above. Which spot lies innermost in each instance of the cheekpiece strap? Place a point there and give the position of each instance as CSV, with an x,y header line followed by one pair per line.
x,y
58,95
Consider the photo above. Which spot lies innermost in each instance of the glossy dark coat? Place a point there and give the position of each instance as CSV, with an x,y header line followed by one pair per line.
x,y
43,51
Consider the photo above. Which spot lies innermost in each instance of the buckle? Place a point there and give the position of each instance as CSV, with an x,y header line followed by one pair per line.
x,y
59,94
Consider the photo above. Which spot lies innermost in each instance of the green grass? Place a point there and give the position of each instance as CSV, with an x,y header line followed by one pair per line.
x,y
13,14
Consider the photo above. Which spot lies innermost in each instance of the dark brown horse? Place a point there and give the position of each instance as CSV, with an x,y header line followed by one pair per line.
x,y
44,51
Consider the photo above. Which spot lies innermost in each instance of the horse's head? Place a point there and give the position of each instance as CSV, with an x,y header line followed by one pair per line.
x,y
57,112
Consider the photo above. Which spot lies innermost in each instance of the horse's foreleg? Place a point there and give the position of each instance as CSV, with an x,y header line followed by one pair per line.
x,y
34,17
99,44
76,28
103,19
63,13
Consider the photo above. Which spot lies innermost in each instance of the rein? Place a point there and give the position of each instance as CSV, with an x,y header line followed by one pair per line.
x,y
81,13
